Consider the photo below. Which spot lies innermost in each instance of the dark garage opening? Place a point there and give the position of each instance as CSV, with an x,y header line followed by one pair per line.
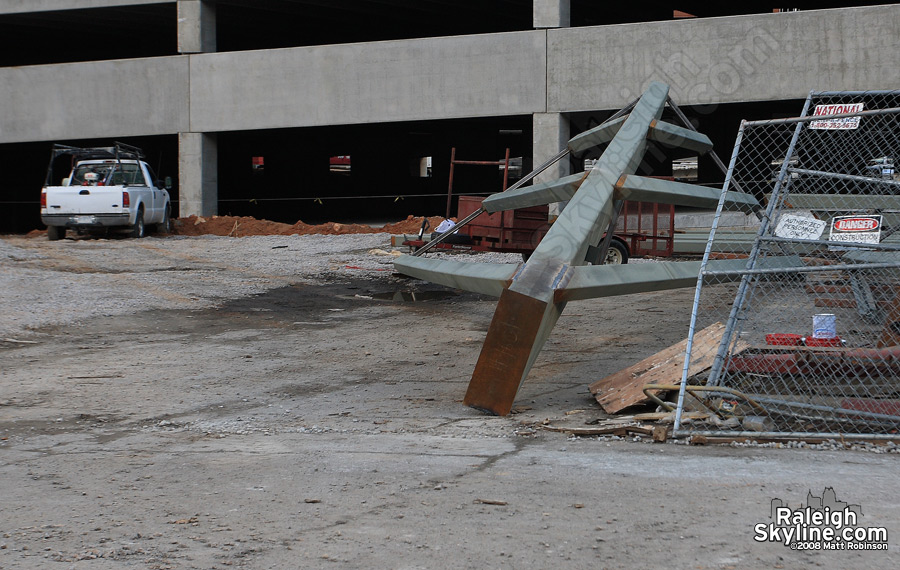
x,y
366,173
374,173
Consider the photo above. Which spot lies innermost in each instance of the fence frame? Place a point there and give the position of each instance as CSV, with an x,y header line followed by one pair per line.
x,y
780,189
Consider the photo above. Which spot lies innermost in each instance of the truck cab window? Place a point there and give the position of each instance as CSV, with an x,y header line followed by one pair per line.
x,y
90,175
133,175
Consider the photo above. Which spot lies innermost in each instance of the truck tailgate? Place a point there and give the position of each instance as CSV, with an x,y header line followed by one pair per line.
x,y
85,200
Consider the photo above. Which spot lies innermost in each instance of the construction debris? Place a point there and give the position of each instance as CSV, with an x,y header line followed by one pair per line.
x,y
491,502
626,387
619,426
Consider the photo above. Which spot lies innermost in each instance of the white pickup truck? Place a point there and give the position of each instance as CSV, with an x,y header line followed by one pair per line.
x,y
107,187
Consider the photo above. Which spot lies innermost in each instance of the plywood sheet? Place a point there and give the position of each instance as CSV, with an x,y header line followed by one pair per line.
x,y
626,387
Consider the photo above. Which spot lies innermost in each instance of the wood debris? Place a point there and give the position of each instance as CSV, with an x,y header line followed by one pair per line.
x,y
615,429
17,341
660,434
669,417
491,502
626,387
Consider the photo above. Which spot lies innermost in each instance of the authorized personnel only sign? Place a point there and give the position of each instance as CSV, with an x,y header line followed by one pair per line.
x,y
836,124
799,227
856,229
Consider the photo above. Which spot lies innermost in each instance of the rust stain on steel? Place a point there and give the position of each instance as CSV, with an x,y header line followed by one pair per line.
x,y
506,351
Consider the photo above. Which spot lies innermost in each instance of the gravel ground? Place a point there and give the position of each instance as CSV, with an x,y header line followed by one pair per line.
x,y
105,277
273,402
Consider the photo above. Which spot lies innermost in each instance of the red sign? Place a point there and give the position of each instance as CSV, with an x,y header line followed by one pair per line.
x,y
856,224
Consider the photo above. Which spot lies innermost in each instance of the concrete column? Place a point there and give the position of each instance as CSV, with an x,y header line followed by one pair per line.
x,y
550,135
198,177
551,13
196,26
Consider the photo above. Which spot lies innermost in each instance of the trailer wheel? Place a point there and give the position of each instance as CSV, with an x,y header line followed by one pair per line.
x,y
617,254
56,232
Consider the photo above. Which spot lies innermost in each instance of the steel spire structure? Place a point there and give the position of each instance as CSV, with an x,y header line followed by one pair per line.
x,y
533,294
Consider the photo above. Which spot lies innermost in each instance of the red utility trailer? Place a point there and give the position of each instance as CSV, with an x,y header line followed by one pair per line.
x,y
643,229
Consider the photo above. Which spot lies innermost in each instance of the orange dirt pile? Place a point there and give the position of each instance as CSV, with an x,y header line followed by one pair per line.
x,y
242,226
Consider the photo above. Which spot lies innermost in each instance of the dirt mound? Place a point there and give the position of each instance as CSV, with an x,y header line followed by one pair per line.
x,y
241,226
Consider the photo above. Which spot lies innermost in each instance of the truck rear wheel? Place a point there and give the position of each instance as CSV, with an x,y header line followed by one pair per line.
x,y
56,232
138,230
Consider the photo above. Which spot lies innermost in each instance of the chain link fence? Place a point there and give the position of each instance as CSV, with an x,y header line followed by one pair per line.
x,y
795,328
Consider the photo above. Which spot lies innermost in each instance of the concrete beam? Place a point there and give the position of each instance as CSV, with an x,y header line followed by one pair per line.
x,y
437,78
196,26
542,73
757,57
198,181
27,6
103,99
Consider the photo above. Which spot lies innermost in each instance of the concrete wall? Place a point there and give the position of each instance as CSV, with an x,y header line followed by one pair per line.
x,y
94,100
462,76
722,60
742,58
26,6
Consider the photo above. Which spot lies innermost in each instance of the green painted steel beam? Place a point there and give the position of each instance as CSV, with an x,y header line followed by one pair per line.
x,y
862,256
484,278
594,281
643,189
535,195
601,134
842,202
612,280
679,137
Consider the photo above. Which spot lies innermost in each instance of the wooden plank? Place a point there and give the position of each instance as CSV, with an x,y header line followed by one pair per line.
x,y
625,388
614,430
669,416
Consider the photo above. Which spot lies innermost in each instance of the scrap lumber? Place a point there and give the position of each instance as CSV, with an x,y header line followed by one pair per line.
x,y
626,387
618,430
669,417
